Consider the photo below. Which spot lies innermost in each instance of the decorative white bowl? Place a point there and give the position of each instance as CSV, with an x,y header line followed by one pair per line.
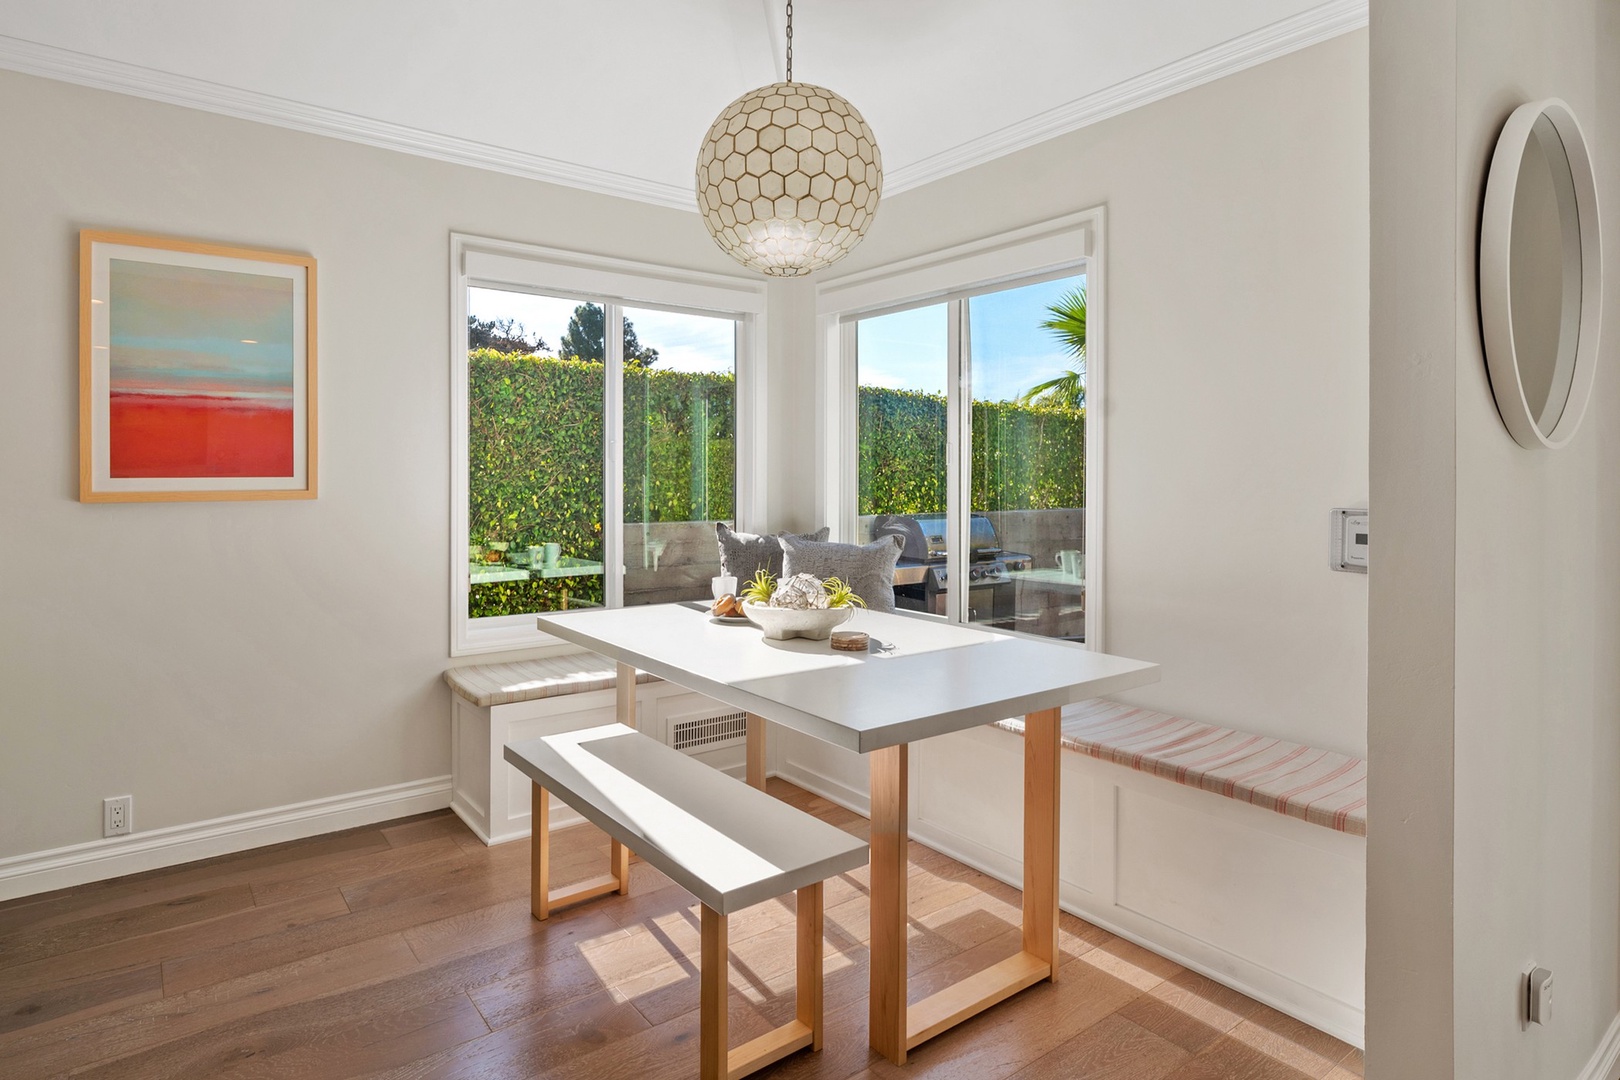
x,y
780,623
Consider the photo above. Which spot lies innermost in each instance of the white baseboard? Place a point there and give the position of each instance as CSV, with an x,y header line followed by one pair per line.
x,y
830,788
1605,1063
97,860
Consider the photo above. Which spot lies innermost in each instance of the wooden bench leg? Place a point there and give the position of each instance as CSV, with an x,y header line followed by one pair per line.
x,y
619,866
810,963
801,1033
713,1063
542,897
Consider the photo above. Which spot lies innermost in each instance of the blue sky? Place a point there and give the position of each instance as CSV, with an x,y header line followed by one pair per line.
x,y
1011,352
684,342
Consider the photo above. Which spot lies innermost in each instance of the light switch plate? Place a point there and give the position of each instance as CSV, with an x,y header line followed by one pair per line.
x,y
1349,540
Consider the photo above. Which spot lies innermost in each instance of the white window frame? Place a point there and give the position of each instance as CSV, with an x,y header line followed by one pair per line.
x,y
482,262
1072,244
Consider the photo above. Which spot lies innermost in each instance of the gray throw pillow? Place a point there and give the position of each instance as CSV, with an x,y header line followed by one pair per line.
x,y
742,555
866,568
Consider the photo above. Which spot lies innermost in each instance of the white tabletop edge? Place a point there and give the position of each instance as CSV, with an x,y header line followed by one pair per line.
x,y
1128,675
1012,707
723,692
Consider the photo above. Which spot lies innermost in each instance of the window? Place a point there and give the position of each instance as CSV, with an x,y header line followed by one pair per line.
x,y
596,421
967,376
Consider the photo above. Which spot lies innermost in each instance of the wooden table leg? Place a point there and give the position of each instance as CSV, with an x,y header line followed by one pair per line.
x,y
713,980
1042,734
887,950
539,852
756,751
1037,961
624,695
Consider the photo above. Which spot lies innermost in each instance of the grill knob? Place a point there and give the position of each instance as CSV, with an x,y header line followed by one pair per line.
x,y
975,574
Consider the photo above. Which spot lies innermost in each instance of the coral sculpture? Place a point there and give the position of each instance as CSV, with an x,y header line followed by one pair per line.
x,y
802,592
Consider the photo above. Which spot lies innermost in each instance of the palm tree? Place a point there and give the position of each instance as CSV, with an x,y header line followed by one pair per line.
x,y
1068,325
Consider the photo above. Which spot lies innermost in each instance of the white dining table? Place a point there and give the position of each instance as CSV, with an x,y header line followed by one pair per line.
x,y
921,677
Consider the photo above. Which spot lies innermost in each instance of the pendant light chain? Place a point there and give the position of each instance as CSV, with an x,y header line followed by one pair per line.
x,y
790,40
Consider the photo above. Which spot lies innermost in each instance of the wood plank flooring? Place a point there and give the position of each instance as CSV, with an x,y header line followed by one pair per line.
x,y
407,951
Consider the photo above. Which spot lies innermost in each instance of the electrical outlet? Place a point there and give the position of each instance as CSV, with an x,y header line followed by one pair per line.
x,y
118,815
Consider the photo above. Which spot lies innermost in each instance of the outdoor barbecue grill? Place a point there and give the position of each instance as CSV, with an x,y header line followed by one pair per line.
x,y
921,579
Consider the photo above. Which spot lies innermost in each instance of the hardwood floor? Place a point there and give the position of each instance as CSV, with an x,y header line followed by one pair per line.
x,y
407,951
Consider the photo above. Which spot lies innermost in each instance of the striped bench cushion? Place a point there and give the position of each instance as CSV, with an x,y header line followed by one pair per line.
x,y
528,680
1318,786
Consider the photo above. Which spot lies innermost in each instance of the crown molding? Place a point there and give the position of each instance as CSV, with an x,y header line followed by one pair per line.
x,y
1296,32
1325,21
65,65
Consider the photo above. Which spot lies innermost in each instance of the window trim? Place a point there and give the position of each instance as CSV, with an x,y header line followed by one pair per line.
x,y
1065,245
486,262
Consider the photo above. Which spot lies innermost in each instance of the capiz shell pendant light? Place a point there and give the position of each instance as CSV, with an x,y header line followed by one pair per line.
x,y
789,176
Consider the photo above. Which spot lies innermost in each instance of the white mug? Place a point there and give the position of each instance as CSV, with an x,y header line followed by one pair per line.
x,y
724,585
1072,563
550,555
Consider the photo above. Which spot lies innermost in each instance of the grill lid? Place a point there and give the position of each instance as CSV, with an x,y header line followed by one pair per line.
x,y
924,535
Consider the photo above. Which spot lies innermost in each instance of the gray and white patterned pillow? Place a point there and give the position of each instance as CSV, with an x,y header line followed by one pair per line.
x,y
742,555
866,568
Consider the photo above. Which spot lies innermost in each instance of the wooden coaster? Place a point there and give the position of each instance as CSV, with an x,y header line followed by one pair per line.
x,y
849,640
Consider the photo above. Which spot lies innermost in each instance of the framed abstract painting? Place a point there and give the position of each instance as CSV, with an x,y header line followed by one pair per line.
x,y
196,371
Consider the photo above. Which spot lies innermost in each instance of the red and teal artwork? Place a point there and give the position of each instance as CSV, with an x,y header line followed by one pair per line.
x,y
200,372
196,370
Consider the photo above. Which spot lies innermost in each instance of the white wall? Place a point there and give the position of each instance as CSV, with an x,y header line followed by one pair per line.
x,y
1237,373
1495,611
220,658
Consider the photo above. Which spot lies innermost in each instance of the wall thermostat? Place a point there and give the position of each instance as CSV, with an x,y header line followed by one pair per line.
x,y
1538,1009
1349,541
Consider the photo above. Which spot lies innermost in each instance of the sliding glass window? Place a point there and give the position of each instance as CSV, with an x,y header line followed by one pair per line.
x,y
993,517
599,442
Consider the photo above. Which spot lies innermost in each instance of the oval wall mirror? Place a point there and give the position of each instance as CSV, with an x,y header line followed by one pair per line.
x,y
1540,283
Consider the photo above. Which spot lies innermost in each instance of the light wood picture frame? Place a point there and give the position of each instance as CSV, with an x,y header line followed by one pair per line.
x,y
197,371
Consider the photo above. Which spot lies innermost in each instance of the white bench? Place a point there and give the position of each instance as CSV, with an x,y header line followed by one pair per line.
x,y
727,844
1323,787
492,705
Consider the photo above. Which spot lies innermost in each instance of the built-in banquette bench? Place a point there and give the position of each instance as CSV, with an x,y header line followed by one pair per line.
x,y
495,704
1319,786
727,844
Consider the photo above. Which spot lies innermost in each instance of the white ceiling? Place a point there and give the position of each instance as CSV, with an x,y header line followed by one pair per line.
x,y
615,95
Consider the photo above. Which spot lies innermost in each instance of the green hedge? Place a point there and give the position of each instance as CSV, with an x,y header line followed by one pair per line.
x,y
535,455
534,435
1025,457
